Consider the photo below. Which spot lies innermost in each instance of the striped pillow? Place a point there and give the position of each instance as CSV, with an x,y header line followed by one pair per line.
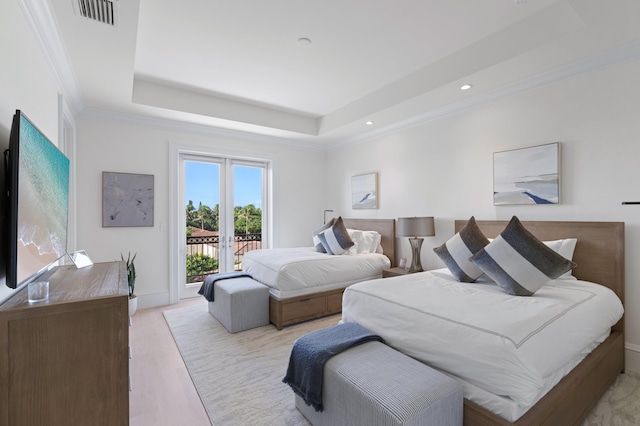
x,y
520,263
316,240
336,240
455,253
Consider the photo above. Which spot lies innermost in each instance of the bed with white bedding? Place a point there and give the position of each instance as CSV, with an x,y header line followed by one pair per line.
x,y
306,284
290,272
505,345
544,359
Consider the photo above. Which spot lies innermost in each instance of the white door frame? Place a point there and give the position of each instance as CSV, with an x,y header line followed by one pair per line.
x,y
67,144
177,234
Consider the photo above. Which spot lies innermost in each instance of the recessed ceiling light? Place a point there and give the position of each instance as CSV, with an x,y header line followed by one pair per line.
x,y
466,87
304,41
369,123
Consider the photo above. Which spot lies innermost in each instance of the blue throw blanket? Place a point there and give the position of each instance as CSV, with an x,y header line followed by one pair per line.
x,y
310,353
207,286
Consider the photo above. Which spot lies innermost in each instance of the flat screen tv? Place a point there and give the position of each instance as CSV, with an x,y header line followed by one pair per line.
x,y
37,178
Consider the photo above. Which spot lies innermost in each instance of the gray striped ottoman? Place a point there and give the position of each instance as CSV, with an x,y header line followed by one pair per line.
x,y
240,304
373,384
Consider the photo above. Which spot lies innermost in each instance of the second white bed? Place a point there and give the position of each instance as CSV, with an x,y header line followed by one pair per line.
x,y
290,272
508,350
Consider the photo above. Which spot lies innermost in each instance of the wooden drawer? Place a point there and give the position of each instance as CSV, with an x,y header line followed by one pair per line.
x,y
334,303
302,308
308,307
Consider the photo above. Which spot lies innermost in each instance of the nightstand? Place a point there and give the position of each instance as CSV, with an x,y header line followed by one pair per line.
x,y
395,272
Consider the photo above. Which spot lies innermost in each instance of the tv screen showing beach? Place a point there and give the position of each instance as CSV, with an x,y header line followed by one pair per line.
x,y
43,197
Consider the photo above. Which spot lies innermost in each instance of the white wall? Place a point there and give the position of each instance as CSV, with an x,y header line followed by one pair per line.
x,y
26,83
125,146
444,168
441,168
26,79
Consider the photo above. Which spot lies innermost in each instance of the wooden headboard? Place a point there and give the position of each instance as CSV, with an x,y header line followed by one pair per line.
x,y
385,227
599,251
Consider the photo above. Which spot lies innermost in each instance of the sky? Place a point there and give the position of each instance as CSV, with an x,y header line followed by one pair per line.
x,y
203,184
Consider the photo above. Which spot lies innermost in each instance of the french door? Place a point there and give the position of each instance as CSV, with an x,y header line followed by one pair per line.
x,y
224,214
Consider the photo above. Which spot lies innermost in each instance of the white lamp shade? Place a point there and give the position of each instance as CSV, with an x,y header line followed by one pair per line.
x,y
415,227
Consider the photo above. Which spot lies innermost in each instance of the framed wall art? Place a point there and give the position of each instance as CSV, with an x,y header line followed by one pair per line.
x,y
127,199
527,175
364,191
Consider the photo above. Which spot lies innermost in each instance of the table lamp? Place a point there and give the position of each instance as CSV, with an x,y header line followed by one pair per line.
x,y
415,227
324,215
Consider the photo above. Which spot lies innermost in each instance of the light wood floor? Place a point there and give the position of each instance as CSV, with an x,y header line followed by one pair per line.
x,y
163,393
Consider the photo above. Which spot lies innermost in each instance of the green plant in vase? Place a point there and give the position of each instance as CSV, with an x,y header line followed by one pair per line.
x,y
131,273
131,278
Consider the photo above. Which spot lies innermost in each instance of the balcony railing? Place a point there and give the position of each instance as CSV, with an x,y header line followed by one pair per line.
x,y
210,246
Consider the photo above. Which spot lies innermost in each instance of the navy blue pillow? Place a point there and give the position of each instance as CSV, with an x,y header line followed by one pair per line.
x,y
336,239
455,253
316,240
519,262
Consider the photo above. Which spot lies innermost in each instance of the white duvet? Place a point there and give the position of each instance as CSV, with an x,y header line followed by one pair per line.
x,y
300,270
507,345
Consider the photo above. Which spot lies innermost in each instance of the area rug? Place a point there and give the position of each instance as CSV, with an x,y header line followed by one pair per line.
x,y
239,376
620,404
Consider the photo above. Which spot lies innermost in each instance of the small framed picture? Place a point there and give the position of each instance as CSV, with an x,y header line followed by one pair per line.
x,y
403,263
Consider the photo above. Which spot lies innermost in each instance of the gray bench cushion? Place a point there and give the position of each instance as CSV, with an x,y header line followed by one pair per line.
x,y
240,304
373,384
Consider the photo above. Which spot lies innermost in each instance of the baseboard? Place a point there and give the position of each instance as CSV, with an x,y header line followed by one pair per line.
x,y
632,358
153,300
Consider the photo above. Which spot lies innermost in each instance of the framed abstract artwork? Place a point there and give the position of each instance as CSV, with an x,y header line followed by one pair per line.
x,y
127,199
364,191
527,175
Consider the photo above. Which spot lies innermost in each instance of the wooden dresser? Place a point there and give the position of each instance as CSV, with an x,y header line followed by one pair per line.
x,y
66,361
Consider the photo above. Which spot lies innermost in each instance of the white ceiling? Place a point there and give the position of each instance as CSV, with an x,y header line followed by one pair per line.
x,y
237,65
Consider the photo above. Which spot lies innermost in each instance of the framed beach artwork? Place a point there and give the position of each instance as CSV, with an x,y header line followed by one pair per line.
x,y
364,191
527,175
127,199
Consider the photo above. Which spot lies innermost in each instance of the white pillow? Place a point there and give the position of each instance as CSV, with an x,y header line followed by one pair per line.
x,y
375,246
564,248
364,241
356,237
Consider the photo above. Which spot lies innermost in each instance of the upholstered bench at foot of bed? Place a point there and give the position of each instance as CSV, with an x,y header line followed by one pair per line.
x,y
240,304
374,385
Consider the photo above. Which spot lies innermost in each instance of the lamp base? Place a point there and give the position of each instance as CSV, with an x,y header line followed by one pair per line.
x,y
416,264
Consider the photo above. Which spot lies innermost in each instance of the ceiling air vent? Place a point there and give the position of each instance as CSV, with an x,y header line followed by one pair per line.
x,y
104,11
